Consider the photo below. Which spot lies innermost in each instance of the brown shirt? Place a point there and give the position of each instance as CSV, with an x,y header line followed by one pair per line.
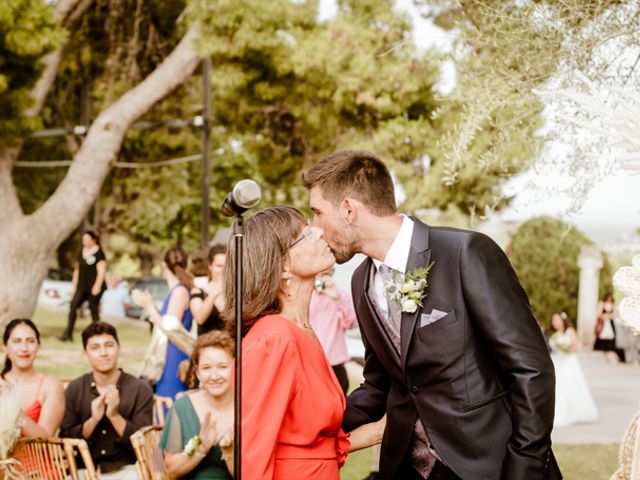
x,y
108,450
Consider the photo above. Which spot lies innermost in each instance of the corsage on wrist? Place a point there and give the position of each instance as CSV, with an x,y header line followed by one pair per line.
x,y
192,445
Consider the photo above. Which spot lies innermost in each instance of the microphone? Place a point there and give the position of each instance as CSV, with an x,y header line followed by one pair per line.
x,y
245,195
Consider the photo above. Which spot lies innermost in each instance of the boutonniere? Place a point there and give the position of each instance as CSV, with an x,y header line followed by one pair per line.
x,y
408,289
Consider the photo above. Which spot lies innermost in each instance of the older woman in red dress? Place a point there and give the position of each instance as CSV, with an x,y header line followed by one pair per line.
x,y
292,403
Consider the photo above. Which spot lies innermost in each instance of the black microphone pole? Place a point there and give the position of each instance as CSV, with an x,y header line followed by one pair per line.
x,y
246,194
238,235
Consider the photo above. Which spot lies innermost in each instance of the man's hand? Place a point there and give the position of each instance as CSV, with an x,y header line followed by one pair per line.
x,y
112,401
98,407
330,289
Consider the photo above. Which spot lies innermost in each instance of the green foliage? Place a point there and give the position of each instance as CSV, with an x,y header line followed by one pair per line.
x,y
28,30
286,91
545,256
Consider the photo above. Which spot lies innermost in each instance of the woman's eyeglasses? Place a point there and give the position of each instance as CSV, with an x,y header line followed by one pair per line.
x,y
310,232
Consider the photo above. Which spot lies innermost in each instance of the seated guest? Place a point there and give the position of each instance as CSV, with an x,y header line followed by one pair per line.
x,y
107,405
40,395
114,297
200,418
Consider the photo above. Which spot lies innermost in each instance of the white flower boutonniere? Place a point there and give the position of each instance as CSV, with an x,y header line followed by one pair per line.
x,y
409,289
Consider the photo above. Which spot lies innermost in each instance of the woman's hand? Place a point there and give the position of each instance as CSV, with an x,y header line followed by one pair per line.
x,y
208,432
95,290
143,299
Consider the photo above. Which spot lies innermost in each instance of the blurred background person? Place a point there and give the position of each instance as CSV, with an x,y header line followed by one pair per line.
x,y
331,314
114,297
202,417
574,403
605,330
208,301
87,281
41,396
175,305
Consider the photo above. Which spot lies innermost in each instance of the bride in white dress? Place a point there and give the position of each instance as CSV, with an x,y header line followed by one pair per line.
x,y
574,403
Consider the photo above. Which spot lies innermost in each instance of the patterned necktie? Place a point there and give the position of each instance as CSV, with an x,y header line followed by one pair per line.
x,y
388,276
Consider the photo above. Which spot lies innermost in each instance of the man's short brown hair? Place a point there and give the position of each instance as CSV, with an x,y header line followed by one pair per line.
x,y
354,173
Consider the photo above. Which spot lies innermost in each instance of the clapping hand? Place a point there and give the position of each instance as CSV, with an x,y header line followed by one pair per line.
x,y
98,407
208,432
112,401
143,299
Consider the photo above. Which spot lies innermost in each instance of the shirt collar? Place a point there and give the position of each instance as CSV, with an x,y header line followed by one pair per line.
x,y
398,254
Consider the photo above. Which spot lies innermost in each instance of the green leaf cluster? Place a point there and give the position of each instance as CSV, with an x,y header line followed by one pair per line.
x,y
28,30
545,256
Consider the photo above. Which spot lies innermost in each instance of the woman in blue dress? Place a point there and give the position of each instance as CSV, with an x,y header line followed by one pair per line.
x,y
176,305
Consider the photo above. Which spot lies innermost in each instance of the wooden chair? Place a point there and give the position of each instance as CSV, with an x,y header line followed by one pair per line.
x,y
160,406
53,458
150,460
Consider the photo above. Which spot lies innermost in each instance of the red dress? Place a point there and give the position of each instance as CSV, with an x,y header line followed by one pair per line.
x,y
292,406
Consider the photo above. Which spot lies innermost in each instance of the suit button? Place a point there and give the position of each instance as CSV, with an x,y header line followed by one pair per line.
x,y
414,390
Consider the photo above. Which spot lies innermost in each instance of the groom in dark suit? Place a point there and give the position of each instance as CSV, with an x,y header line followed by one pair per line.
x,y
453,355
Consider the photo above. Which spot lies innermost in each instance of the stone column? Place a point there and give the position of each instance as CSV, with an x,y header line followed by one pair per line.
x,y
590,262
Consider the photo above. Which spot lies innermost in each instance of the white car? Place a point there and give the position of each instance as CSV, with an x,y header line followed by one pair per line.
x,y
55,290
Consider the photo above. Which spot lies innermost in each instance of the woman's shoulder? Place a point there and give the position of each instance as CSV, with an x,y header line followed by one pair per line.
x,y
51,384
272,324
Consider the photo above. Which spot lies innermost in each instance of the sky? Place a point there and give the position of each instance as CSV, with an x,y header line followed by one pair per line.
x,y
611,207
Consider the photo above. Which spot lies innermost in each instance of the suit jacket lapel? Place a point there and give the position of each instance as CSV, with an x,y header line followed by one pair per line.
x,y
363,304
419,256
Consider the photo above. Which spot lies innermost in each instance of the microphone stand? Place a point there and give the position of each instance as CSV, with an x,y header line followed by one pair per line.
x,y
238,235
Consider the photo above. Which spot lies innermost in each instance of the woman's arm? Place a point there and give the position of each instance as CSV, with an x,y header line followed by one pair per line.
x,y
179,464
101,268
574,340
367,435
51,413
201,309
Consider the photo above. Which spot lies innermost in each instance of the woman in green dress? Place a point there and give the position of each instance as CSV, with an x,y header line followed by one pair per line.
x,y
202,419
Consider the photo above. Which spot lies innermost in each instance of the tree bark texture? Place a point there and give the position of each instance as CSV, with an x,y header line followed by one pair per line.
x,y
27,242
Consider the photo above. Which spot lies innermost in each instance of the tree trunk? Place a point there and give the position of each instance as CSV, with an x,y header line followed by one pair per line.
x,y
27,242
23,266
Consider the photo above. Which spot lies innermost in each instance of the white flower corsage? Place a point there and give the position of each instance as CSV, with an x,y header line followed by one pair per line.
x,y
409,289
192,445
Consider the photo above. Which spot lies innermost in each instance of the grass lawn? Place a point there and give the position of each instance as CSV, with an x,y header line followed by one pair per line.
x,y
577,462
65,360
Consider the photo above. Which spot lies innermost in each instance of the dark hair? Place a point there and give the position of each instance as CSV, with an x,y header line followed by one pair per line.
x,y
98,328
176,259
7,334
268,235
216,249
354,173
93,234
213,339
565,320
199,265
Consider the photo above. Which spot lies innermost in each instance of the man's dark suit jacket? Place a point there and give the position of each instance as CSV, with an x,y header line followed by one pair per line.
x,y
480,378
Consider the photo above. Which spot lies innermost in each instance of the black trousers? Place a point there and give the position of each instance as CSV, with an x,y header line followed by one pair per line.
x,y
78,299
343,378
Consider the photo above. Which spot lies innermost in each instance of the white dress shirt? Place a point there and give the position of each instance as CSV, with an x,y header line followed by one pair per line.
x,y
396,259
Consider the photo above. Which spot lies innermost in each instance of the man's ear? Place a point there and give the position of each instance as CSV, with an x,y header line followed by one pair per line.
x,y
350,208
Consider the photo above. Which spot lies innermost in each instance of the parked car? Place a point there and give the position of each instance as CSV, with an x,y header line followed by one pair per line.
x,y
157,288
56,288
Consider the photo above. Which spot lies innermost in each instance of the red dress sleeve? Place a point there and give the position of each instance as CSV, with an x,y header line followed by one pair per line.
x,y
270,374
